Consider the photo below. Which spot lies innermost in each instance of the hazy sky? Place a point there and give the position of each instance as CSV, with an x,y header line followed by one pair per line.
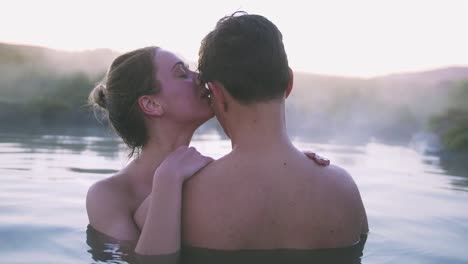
x,y
356,38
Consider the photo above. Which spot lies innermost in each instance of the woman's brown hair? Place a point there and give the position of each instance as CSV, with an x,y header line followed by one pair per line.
x,y
130,76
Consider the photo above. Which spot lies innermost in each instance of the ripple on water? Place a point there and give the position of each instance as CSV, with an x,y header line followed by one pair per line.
x,y
417,208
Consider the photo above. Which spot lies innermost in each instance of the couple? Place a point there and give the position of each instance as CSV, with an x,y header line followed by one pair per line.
x,y
265,194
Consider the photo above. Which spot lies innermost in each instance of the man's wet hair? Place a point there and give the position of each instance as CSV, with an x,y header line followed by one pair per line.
x,y
246,54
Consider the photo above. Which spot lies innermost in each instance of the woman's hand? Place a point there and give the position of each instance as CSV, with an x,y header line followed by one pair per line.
x,y
178,166
318,159
181,164
159,217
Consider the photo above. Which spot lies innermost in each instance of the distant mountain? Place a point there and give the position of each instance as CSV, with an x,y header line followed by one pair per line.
x,y
429,77
55,84
19,57
399,88
98,60
27,72
426,79
392,107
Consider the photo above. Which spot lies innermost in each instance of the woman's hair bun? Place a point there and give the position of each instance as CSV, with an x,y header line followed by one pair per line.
x,y
98,96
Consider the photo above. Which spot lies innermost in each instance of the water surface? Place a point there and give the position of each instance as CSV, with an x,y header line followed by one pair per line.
x,y
417,208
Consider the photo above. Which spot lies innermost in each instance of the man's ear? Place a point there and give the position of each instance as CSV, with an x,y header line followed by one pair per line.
x,y
150,106
290,84
218,99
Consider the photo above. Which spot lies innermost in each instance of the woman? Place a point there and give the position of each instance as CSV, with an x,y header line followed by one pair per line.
x,y
155,104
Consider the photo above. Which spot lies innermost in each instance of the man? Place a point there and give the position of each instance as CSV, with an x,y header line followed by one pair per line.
x,y
264,194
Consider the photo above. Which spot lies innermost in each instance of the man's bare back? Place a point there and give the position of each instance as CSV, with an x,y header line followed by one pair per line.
x,y
275,198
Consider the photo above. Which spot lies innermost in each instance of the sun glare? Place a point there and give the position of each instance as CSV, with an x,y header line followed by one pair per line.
x,y
356,38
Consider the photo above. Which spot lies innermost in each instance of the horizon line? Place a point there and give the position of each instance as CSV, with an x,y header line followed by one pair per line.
x,y
367,77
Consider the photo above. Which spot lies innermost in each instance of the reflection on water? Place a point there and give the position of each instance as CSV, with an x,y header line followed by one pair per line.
x,y
416,204
106,249
102,146
457,167
98,171
348,255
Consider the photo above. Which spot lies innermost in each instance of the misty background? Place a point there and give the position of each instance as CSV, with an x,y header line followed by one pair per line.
x,y
42,89
398,121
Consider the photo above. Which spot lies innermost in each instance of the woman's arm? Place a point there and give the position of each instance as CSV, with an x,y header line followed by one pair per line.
x,y
160,235
161,232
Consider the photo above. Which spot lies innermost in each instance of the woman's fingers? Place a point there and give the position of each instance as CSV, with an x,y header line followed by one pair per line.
x,y
184,162
318,159
198,162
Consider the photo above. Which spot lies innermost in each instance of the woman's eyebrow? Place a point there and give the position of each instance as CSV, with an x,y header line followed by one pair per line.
x,y
180,63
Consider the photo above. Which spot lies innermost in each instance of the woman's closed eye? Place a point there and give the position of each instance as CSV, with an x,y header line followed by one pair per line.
x,y
182,72
182,75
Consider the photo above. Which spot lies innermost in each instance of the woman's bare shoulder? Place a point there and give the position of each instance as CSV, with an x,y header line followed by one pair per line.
x,y
108,209
112,187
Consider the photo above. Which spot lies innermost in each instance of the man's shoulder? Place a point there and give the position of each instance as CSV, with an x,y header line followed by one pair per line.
x,y
210,182
338,179
344,191
341,175
221,165
337,173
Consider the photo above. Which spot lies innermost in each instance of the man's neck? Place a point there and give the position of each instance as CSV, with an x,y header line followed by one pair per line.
x,y
258,127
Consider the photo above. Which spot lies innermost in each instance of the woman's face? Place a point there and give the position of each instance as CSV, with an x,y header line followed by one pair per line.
x,y
182,96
